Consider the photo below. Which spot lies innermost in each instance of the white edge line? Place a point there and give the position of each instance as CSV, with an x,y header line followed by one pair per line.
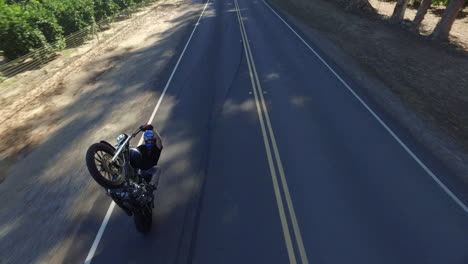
x,y
405,147
92,251
99,234
176,66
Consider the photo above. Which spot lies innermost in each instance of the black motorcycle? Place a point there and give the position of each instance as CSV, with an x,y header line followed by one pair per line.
x,y
130,188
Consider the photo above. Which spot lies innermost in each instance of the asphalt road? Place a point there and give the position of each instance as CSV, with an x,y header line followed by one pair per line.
x,y
270,158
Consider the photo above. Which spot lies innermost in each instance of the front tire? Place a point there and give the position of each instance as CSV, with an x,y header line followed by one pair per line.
x,y
108,175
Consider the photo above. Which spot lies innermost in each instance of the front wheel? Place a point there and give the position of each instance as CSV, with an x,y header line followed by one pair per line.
x,y
106,173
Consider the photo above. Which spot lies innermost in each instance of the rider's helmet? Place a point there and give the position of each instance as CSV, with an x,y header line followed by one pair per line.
x,y
150,138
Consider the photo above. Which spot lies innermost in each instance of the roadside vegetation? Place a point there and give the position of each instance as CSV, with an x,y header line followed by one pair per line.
x,y
27,25
441,31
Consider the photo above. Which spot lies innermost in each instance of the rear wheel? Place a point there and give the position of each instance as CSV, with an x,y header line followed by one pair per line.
x,y
107,174
143,220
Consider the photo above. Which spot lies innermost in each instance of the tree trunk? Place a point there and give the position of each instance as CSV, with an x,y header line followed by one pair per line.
x,y
399,11
359,5
442,30
414,2
422,10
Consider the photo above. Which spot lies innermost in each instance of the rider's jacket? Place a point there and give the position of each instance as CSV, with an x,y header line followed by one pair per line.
x,y
150,156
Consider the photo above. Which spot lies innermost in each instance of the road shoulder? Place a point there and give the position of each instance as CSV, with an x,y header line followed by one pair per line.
x,y
424,127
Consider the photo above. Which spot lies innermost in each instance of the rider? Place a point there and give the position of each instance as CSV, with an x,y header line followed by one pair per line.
x,y
146,156
151,150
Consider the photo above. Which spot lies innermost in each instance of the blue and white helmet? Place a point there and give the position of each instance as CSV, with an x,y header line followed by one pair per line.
x,y
150,138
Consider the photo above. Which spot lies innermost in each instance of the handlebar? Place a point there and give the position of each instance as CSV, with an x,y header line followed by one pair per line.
x,y
146,127
140,129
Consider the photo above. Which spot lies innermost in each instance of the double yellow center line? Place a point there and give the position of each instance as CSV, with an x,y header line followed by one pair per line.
x,y
267,133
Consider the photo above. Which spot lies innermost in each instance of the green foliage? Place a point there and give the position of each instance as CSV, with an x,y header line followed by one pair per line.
x,y
17,35
444,3
19,2
123,4
72,15
26,25
440,2
104,9
44,19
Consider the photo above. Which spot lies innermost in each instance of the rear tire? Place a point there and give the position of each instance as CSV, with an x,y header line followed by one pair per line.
x,y
143,220
103,172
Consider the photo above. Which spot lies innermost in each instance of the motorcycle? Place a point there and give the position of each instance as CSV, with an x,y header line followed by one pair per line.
x,y
129,187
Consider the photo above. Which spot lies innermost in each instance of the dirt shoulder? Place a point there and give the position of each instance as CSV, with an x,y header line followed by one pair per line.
x,y
31,102
420,83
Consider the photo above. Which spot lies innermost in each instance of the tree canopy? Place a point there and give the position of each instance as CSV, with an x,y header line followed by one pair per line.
x,y
26,25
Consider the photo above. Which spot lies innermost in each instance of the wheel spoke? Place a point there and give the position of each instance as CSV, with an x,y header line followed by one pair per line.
x,y
98,160
99,155
111,178
101,159
104,172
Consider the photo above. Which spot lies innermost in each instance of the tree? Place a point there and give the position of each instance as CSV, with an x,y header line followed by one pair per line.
x,y
422,10
442,30
72,15
43,19
17,36
399,11
123,4
104,9
414,3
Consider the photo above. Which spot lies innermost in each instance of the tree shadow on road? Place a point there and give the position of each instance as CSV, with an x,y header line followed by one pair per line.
x,y
49,191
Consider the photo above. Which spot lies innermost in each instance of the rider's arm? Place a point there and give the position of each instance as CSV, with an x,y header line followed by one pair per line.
x,y
158,140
